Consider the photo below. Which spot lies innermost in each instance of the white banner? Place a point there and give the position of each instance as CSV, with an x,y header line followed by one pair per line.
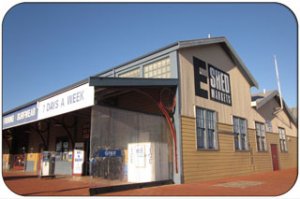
x,y
75,99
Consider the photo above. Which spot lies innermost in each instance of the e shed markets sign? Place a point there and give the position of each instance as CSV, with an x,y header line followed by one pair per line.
x,y
75,99
219,82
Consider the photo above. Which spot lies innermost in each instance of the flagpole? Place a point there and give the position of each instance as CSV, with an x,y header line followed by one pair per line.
x,y
278,81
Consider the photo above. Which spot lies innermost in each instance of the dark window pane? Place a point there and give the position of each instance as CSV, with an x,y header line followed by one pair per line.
x,y
200,138
210,139
236,141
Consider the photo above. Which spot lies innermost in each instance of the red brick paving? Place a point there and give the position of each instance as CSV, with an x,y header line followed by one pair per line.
x,y
273,183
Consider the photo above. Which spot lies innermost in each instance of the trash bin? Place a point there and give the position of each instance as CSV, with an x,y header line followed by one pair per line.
x,y
48,164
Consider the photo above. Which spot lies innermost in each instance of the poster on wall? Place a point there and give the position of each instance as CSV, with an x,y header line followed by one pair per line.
x,y
78,158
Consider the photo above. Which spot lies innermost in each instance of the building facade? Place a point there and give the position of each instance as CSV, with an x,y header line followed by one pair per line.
x,y
183,113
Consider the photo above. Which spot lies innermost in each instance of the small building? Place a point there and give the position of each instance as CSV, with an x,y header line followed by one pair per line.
x,y
183,113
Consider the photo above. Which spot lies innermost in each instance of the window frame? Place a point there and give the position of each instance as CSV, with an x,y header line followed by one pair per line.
x,y
258,137
152,72
282,137
205,128
240,148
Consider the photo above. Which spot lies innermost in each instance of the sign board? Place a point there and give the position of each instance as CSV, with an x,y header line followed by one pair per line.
x,y
75,99
23,116
148,161
110,153
78,158
218,80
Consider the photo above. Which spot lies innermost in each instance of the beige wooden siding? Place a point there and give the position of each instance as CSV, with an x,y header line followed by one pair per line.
x,y
279,119
199,165
288,160
203,165
239,86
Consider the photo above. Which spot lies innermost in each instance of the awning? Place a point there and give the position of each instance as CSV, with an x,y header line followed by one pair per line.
x,y
104,82
164,99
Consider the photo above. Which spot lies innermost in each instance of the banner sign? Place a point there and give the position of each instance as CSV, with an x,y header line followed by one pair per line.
x,y
75,99
110,153
23,116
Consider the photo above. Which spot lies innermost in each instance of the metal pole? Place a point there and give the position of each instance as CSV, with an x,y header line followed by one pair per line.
x,y
278,82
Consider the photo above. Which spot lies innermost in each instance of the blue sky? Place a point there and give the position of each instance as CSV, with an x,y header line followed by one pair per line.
x,y
49,46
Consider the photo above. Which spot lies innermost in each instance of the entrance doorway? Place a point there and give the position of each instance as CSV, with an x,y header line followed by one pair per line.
x,y
275,161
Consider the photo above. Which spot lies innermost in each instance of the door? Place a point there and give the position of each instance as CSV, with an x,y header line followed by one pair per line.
x,y
275,160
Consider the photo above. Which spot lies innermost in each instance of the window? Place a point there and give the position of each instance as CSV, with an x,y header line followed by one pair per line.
x,y
261,136
240,134
158,69
206,129
131,73
282,140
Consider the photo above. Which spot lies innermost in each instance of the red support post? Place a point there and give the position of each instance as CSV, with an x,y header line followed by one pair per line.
x,y
164,111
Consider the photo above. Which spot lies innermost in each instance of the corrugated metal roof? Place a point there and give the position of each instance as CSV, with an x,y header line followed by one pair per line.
x,y
171,47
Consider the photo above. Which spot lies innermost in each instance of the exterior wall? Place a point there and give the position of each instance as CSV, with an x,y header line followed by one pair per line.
x,y
240,87
278,120
200,165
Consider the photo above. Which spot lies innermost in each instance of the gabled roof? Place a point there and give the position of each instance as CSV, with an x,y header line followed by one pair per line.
x,y
167,49
260,99
228,49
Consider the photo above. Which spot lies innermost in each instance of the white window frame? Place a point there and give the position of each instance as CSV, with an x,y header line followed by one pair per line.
x,y
261,137
282,140
238,131
205,126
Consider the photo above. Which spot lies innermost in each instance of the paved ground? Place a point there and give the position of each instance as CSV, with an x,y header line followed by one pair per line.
x,y
261,184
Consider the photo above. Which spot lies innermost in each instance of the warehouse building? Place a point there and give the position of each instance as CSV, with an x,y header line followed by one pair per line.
x,y
183,113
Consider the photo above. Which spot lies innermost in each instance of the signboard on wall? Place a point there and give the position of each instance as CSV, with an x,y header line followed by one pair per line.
x,y
74,99
23,116
218,80
110,153
219,84
78,158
